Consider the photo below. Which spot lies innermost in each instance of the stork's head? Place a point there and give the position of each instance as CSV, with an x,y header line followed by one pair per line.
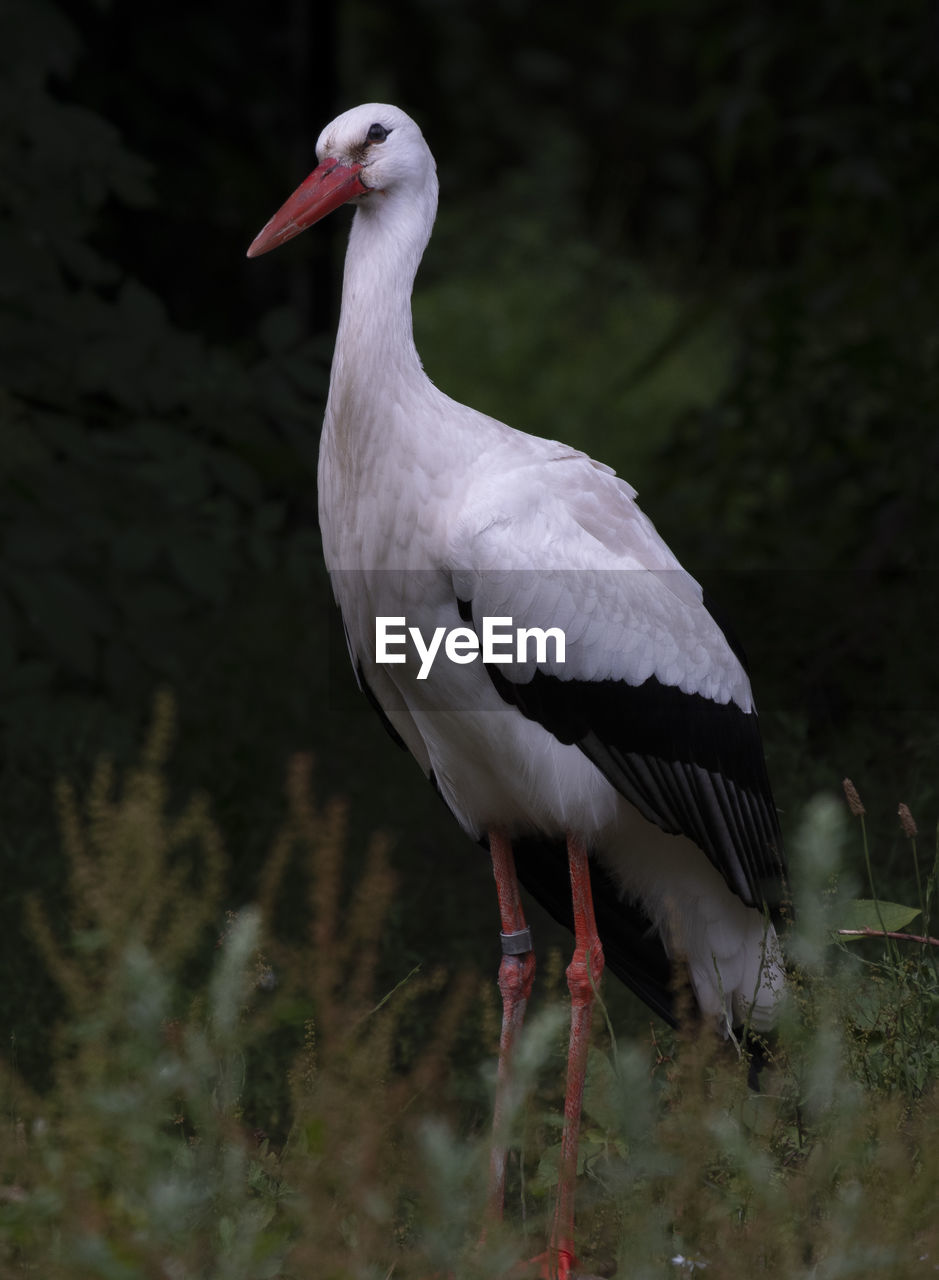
x,y
370,152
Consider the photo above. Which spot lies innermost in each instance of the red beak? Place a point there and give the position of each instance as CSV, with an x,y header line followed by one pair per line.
x,y
328,186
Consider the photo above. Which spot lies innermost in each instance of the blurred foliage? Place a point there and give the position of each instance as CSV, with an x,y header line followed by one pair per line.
x,y
274,1118
141,477
694,239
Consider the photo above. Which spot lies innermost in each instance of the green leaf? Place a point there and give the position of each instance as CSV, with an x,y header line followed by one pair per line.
x,y
865,913
546,1175
601,1103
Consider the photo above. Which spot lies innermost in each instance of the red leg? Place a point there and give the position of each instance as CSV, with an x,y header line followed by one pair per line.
x,y
516,974
583,976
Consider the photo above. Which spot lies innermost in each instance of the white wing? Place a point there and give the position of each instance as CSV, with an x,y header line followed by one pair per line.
x,y
650,688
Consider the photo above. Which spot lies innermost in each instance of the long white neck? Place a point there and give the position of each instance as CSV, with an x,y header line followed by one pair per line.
x,y
375,342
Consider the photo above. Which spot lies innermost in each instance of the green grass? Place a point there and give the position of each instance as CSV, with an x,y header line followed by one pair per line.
x,y
224,1105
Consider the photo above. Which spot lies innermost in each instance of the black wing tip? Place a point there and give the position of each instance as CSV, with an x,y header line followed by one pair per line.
x,y
632,947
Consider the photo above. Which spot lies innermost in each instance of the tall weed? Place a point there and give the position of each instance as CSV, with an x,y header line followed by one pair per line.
x,y
226,1105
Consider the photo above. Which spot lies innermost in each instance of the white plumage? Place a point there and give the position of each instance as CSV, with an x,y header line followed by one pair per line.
x,y
428,507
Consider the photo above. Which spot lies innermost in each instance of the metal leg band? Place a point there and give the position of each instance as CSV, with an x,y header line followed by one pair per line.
x,y
517,943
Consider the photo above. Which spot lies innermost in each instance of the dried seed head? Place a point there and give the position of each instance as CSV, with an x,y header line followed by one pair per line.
x,y
907,822
853,799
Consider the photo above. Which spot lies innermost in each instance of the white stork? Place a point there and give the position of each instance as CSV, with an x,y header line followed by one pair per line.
x,y
639,751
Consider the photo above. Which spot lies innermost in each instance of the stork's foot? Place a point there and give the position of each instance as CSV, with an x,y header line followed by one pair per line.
x,y
550,1265
553,1264
546,1266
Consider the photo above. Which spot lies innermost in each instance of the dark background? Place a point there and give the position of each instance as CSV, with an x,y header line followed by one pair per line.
x,y
697,239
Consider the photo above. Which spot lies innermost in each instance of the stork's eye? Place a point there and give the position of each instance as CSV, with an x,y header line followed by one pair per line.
x,y
377,133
